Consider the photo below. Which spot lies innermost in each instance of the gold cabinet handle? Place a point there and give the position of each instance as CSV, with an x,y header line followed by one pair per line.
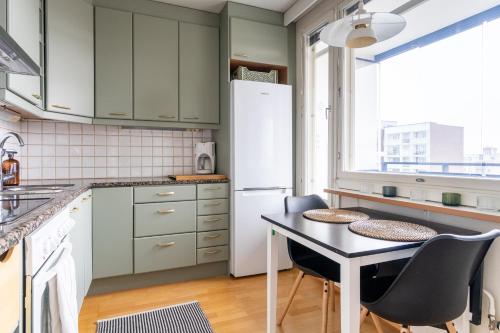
x,y
213,204
163,245
163,212
167,117
61,107
212,252
164,194
191,118
74,210
211,220
37,96
212,236
242,55
212,188
118,114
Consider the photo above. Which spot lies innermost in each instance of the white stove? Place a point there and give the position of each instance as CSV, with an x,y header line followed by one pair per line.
x,y
45,240
48,261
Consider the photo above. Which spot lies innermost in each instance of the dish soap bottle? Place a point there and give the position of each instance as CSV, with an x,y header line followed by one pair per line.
x,y
11,166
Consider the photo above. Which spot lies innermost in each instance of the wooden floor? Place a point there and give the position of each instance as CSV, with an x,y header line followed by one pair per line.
x,y
231,305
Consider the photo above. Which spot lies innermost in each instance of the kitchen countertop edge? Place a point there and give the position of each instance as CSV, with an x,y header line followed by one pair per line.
x,y
28,223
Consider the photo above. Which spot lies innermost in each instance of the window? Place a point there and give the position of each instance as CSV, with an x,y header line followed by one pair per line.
x,y
434,87
316,116
420,135
420,150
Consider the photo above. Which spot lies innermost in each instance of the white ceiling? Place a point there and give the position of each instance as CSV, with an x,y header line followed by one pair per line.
x,y
429,16
216,6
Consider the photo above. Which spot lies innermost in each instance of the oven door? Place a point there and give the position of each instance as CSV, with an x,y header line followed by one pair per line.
x,y
43,290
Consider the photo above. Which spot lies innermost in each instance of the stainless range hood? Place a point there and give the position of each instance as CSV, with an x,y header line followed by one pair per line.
x,y
13,59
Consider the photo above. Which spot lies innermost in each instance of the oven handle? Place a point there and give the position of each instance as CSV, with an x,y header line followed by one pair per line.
x,y
43,277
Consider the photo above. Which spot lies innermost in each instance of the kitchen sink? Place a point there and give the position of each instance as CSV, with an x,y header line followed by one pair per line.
x,y
36,189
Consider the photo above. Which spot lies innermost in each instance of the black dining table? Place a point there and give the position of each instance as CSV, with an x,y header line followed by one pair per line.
x,y
351,251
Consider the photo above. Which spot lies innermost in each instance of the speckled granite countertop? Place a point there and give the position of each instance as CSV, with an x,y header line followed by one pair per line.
x,y
13,233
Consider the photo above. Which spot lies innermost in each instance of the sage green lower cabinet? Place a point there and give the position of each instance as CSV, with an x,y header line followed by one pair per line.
x,y
212,238
212,254
156,68
214,206
213,222
213,191
154,228
198,73
164,252
112,232
164,193
80,210
164,218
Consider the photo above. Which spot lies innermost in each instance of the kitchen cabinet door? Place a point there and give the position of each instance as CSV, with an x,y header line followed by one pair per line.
x,y
77,236
70,57
258,42
11,290
112,232
24,25
86,218
113,63
156,68
199,73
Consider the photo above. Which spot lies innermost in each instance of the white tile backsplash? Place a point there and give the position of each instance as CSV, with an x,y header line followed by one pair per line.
x,y
61,150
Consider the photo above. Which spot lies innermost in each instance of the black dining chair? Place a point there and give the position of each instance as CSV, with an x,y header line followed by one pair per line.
x,y
432,288
310,262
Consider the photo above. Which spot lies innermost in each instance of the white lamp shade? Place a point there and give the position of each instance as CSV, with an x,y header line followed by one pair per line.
x,y
380,26
361,37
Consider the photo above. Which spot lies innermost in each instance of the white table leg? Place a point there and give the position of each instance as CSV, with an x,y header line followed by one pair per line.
x,y
272,278
349,296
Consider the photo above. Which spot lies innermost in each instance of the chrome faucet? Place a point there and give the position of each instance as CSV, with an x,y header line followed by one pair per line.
x,y
5,137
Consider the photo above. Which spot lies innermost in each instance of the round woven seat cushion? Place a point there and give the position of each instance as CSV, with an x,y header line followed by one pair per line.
x,y
334,215
392,230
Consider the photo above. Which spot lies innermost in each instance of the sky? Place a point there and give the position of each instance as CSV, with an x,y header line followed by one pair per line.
x,y
454,81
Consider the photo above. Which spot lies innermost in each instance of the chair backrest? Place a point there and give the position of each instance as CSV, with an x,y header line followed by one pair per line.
x,y
433,286
299,205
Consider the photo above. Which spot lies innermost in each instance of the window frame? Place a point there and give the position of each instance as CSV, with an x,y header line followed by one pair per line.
x,y
345,177
324,13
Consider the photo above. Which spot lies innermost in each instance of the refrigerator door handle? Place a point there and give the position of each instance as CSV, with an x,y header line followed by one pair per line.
x,y
273,188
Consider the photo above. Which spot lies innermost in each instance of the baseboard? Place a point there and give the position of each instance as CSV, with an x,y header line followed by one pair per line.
x,y
134,281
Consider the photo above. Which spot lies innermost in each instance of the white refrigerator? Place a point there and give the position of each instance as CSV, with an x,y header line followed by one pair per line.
x,y
261,170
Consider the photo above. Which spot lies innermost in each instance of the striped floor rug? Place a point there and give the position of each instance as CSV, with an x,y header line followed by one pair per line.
x,y
181,318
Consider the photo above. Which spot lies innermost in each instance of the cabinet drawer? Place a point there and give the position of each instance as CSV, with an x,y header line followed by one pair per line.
x,y
213,191
213,222
164,193
212,254
211,207
164,218
164,252
212,238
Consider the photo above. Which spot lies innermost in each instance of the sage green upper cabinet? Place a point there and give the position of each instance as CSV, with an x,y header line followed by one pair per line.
x,y
156,68
25,27
113,63
199,73
70,57
112,227
258,42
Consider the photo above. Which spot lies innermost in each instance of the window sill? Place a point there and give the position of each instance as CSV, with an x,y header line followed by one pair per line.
x,y
461,211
